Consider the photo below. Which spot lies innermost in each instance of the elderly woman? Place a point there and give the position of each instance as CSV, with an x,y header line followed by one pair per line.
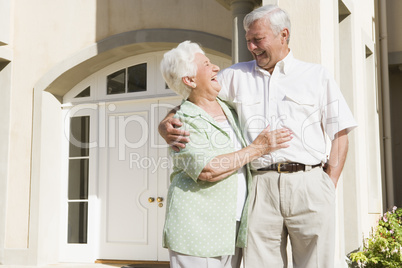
x,y
205,221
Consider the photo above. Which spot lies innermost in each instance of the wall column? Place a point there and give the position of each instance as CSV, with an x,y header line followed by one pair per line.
x,y
6,56
5,85
240,8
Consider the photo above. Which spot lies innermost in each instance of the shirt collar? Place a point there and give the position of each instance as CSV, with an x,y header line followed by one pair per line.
x,y
190,109
283,66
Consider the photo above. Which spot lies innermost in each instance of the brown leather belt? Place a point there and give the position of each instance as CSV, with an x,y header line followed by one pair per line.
x,y
288,167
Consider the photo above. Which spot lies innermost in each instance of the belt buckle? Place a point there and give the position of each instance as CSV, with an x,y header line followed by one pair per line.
x,y
279,168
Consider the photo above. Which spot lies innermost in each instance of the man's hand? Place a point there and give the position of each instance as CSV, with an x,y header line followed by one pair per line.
x,y
337,156
176,138
268,141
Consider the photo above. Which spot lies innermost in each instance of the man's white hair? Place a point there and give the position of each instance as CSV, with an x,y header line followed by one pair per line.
x,y
277,17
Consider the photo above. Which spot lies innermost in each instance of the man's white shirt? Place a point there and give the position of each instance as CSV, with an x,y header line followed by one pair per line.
x,y
300,96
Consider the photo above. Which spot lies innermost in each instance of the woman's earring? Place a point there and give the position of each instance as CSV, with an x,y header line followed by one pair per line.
x,y
193,85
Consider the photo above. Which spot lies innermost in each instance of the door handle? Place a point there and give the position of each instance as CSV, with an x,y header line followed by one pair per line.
x,y
160,200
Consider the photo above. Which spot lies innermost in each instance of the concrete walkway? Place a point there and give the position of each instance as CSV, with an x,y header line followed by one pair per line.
x,y
86,265
64,265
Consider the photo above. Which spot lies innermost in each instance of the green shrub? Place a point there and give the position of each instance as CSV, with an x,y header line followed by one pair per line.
x,y
383,247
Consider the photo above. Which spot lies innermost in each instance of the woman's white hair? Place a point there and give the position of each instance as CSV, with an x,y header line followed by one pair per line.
x,y
277,17
178,63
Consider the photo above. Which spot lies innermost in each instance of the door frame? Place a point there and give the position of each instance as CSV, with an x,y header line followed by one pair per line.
x,y
81,252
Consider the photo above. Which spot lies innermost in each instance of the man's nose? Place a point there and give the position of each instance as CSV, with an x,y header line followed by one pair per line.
x,y
251,46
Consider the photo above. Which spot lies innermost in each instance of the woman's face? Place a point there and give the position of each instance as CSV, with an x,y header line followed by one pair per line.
x,y
206,74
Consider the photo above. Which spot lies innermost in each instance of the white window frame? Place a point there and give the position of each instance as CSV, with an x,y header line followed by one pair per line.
x,y
80,252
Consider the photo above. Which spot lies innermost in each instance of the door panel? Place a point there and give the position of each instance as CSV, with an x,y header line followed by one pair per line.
x,y
125,183
128,220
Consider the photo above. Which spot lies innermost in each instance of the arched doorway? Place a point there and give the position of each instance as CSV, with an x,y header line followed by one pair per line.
x,y
115,166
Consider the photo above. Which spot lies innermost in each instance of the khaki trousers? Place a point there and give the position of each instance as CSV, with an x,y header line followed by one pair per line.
x,y
300,205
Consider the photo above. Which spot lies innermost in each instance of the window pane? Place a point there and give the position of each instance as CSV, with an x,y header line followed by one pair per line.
x,y
77,222
116,82
78,179
137,78
85,93
79,136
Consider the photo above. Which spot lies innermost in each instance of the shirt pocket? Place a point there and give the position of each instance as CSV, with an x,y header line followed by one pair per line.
x,y
299,99
301,109
251,114
247,99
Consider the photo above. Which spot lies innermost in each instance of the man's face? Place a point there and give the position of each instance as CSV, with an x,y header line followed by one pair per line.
x,y
266,47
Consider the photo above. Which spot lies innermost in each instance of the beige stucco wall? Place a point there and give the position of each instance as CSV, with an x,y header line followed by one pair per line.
x,y
365,14
48,224
41,38
305,38
128,15
5,85
362,185
5,7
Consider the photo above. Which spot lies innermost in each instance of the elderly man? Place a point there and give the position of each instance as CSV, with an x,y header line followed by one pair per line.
x,y
293,191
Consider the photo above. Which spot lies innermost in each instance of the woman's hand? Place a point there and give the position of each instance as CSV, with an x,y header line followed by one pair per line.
x,y
224,165
268,141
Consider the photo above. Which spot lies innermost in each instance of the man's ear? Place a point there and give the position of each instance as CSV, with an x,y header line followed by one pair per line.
x,y
189,81
285,34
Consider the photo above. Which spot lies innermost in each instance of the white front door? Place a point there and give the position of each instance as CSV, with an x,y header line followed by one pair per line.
x,y
133,179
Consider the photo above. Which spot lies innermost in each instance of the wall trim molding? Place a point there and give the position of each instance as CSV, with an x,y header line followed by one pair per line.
x,y
66,74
